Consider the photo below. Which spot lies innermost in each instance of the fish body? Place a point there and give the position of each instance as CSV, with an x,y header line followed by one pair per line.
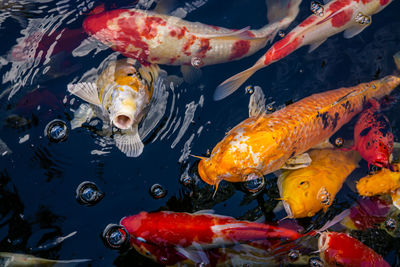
x,y
168,237
340,249
122,92
350,16
380,183
19,260
373,137
157,38
306,191
262,144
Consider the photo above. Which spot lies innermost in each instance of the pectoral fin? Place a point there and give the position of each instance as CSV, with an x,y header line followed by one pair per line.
x,y
129,143
257,102
354,30
298,162
82,115
315,45
190,74
85,91
242,34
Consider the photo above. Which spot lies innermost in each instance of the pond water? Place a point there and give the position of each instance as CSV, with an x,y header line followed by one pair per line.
x,y
43,50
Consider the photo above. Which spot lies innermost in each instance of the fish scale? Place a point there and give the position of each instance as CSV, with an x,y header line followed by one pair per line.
x,y
274,138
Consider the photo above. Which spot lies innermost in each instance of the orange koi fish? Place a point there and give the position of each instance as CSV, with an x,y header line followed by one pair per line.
x,y
306,191
264,142
161,39
171,237
351,16
340,249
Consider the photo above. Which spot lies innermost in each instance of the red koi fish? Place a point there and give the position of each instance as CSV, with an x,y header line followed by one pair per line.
x,y
162,39
373,137
350,16
171,237
340,249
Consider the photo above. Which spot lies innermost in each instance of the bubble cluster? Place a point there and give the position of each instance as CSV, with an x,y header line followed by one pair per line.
x,y
115,236
324,196
88,193
249,89
281,34
270,108
390,224
255,185
56,131
317,9
363,19
157,191
186,180
293,255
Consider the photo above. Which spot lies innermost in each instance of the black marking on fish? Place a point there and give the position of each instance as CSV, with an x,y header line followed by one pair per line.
x,y
335,120
365,131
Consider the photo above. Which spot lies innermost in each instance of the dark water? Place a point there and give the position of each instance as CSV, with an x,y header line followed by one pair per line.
x,y
39,178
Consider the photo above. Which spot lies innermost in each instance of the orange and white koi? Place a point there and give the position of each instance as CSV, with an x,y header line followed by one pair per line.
x,y
157,38
340,249
350,16
263,144
171,237
306,191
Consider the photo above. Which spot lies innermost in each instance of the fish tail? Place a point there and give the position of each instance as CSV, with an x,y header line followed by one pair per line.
x,y
397,61
232,84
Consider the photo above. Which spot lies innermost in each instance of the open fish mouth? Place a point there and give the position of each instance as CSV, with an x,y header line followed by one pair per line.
x,y
122,121
323,241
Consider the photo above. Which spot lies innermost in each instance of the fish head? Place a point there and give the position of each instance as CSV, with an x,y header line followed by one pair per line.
x,y
381,160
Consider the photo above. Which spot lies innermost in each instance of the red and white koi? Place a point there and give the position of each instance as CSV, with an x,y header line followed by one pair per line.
x,y
340,249
350,16
171,237
162,39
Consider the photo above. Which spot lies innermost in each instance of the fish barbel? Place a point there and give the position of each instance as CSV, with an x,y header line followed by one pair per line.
x,y
157,38
351,16
306,191
262,144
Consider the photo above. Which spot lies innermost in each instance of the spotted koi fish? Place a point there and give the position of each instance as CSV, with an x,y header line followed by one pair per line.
x,y
340,249
350,16
263,143
171,237
373,137
157,38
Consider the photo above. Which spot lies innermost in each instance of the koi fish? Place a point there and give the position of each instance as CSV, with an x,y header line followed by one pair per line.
x,y
373,137
122,93
162,39
350,16
340,249
380,183
367,213
171,237
15,259
306,191
264,142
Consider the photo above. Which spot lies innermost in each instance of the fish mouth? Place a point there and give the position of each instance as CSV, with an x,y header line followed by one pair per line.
x,y
287,209
122,121
323,242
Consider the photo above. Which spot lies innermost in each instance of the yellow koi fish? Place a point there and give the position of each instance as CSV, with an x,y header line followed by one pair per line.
x,y
306,191
122,92
264,142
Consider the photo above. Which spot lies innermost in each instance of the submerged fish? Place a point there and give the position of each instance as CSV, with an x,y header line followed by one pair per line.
x,y
340,249
263,144
306,191
122,93
380,183
351,16
373,137
18,260
171,237
162,39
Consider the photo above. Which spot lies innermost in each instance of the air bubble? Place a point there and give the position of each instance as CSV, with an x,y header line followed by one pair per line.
x,y
115,236
281,34
339,142
88,193
317,9
254,185
157,191
315,262
186,180
249,90
293,255
196,62
270,108
390,224
56,131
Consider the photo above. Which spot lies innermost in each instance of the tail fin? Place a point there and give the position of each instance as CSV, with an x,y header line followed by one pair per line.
x,y
281,9
233,83
397,60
